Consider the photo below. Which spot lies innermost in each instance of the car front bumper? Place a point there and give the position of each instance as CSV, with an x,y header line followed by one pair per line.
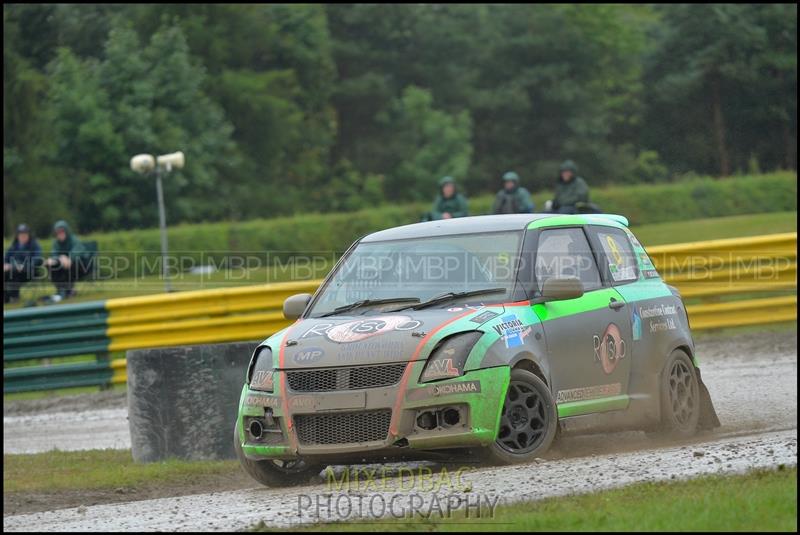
x,y
453,413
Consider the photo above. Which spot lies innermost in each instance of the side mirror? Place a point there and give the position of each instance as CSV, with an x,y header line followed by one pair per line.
x,y
555,289
294,306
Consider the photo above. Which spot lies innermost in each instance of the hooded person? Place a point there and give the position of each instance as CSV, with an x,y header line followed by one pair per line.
x,y
68,260
20,261
570,189
449,203
513,198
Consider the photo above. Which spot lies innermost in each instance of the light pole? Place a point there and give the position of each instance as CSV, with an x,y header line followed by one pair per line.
x,y
146,164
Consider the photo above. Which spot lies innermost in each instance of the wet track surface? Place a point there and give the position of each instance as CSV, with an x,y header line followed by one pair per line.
x,y
752,380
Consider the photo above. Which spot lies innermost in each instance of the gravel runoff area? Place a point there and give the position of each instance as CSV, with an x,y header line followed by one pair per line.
x,y
241,509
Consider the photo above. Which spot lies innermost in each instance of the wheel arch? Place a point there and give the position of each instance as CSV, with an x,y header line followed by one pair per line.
x,y
528,361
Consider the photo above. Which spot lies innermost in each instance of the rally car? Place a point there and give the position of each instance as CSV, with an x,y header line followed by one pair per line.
x,y
484,334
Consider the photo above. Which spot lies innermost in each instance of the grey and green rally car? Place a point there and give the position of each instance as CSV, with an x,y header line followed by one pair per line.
x,y
481,336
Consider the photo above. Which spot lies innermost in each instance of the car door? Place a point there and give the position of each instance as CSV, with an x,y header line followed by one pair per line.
x,y
588,338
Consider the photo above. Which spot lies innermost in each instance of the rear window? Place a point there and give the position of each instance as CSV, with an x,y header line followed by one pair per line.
x,y
617,255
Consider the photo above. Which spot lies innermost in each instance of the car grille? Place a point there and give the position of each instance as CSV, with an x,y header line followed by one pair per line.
x,y
347,428
354,378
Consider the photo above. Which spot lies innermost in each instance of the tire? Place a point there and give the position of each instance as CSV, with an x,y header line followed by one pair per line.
x,y
275,473
528,422
680,398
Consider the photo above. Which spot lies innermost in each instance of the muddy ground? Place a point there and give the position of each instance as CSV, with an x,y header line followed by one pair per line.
x,y
752,379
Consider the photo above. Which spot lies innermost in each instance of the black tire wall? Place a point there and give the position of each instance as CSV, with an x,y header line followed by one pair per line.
x,y
183,401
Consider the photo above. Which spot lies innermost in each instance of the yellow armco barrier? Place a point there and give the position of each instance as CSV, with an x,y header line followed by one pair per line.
x,y
740,313
700,270
199,317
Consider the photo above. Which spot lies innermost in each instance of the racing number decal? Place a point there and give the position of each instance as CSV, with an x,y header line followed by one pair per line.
x,y
614,248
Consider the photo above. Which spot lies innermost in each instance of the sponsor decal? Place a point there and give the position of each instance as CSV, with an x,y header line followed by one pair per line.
x,y
441,368
310,355
357,330
633,239
660,317
262,380
484,317
302,402
455,309
261,401
650,274
512,331
588,392
371,349
636,324
465,387
609,348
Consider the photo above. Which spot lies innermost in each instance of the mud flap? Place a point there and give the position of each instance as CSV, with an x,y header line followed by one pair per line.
x,y
708,415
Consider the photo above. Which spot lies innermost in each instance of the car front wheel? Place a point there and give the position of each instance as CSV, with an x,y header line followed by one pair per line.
x,y
275,473
528,422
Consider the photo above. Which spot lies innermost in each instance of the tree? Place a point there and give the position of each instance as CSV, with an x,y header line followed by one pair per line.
x,y
427,144
710,78
138,99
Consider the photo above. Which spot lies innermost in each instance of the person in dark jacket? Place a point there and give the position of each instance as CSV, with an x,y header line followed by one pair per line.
x,y
20,262
449,203
571,190
513,198
68,260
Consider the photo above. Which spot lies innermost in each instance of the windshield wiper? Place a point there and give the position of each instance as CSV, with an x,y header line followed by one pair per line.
x,y
449,296
366,302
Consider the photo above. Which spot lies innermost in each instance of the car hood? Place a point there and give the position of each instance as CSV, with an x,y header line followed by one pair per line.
x,y
354,340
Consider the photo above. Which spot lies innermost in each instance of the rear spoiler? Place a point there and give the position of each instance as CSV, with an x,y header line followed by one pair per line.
x,y
621,219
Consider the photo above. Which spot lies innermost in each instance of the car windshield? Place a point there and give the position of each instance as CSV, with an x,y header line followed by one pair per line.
x,y
398,273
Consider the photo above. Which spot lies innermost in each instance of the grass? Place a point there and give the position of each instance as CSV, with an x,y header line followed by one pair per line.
x,y
100,470
653,234
758,501
716,228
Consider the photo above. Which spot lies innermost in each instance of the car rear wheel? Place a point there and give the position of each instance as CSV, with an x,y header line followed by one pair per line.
x,y
680,397
275,473
528,422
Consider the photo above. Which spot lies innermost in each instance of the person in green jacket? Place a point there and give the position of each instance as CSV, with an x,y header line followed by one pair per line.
x,y
570,190
449,203
68,260
512,199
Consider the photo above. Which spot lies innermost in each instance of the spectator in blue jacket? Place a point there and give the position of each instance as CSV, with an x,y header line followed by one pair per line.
x,y
20,262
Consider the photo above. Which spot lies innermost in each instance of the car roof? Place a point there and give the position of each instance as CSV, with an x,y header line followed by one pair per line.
x,y
490,223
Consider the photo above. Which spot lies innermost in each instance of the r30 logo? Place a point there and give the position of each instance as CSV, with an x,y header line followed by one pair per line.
x,y
609,348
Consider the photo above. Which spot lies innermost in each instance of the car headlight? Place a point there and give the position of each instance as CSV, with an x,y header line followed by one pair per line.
x,y
259,371
449,357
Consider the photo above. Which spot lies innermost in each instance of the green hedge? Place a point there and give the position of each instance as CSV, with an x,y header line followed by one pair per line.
x,y
326,233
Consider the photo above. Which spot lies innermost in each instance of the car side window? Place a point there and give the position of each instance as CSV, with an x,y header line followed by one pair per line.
x,y
617,255
565,252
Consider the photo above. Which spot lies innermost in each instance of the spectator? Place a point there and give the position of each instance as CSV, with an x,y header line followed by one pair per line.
x,y
512,199
20,262
449,203
69,260
571,190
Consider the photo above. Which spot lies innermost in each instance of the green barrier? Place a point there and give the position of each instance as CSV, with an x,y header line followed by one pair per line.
x,y
51,377
61,331
53,332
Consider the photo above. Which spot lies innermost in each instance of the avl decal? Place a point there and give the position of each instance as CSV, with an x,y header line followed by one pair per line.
x,y
441,368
